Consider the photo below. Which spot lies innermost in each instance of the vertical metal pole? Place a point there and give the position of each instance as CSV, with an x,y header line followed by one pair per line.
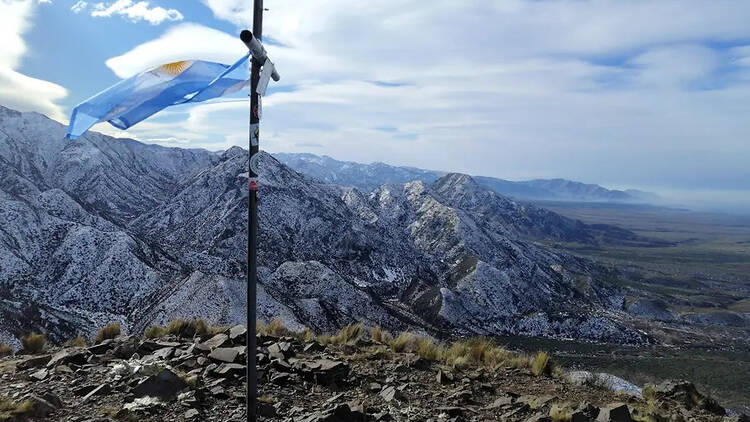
x,y
252,241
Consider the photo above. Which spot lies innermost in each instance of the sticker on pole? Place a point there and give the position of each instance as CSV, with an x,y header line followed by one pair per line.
x,y
254,134
254,184
254,163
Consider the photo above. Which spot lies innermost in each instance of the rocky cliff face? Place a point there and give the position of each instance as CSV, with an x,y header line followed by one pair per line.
x,y
105,229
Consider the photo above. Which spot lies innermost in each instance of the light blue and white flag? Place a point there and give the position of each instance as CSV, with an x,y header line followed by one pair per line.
x,y
138,97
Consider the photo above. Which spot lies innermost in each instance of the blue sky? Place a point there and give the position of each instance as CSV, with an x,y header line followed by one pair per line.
x,y
651,94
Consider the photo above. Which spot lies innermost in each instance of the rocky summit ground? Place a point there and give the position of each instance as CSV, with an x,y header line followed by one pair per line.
x,y
307,378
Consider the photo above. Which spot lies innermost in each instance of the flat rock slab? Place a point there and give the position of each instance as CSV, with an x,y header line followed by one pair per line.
x,y
224,354
164,385
214,342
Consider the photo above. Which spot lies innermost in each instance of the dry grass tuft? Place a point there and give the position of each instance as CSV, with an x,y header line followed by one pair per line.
x,y
481,351
349,334
33,343
560,413
541,364
276,328
5,350
402,342
108,332
155,331
308,335
425,348
379,335
78,341
10,411
187,328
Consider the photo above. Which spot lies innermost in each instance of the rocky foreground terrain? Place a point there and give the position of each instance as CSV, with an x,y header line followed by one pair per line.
x,y
351,376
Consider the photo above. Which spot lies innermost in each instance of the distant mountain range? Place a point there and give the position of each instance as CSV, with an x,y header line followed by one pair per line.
x,y
103,229
370,176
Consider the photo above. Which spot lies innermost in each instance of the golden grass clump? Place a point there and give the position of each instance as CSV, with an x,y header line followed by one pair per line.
x,y
187,328
5,350
108,332
425,348
349,334
400,343
560,413
275,328
33,343
379,335
9,409
308,335
78,341
155,331
541,365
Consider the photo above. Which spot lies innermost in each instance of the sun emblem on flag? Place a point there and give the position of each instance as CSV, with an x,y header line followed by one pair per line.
x,y
175,68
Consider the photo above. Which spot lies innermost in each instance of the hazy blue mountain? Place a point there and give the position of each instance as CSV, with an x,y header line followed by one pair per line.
x,y
370,176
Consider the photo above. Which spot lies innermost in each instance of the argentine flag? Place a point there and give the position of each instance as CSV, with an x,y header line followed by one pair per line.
x,y
138,97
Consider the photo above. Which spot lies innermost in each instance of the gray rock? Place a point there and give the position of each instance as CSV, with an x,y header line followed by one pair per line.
x,y
281,350
230,369
33,362
238,333
219,340
164,385
617,412
224,354
391,393
100,390
67,357
444,377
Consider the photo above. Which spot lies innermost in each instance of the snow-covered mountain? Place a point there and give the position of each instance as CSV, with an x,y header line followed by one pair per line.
x,y
103,229
371,176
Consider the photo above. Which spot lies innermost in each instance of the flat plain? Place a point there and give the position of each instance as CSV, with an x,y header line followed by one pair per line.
x,y
703,274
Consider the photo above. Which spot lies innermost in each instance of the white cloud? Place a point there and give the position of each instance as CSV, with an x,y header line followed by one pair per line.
x,y
135,12
79,6
625,93
16,89
182,42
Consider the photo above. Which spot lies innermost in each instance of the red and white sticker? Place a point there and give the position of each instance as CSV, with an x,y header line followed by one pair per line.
x,y
254,184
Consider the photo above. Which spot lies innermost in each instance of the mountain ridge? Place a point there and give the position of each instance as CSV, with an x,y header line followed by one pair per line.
x,y
102,230
370,176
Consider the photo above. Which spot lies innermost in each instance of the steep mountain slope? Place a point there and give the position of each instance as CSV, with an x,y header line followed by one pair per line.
x,y
107,229
438,257
371,176
65,263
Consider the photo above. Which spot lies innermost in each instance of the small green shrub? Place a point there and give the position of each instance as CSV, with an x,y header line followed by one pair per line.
x,y
5,350
108,332
78,341
33,343
155,331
